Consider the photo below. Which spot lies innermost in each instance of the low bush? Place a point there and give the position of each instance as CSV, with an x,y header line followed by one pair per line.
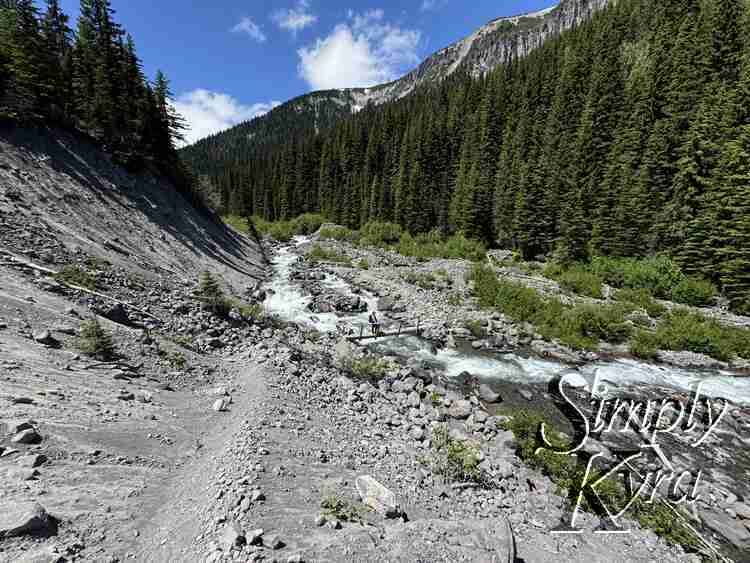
x,y
340,509
237,223
178,360
320,253
253,312
370,368
380,233
96,342
455,460
336,232
642,299
307,223
75,275
363,264
644,345
683,330
211,295
581,281
658,274
475,327
695,292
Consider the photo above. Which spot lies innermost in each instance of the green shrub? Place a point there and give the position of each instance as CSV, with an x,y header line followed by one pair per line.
x,y
642,299
658,274
335,232
253,312
185,341
581,281
475,327
178,360
307,223
96,342
455,460
458,246
319,253
238,223
683,330
96,263
363,264
598,322
75,275
212,296
644,345
340,509
695,292
455,299
380,233
369,368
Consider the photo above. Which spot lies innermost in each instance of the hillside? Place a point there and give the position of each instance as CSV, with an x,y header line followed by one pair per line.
x,y
624,136
498,42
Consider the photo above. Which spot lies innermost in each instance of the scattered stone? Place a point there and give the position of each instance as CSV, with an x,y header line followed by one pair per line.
x,y
460,410
273,542
46,338
255,537
28,436
378,497
488,395
526,394
232,536
32,461
25,518
221,405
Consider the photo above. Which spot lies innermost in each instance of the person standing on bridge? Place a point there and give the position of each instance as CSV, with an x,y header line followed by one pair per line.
x,y
374,324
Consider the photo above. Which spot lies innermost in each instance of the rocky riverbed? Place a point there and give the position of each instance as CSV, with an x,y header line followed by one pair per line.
x,y
241,439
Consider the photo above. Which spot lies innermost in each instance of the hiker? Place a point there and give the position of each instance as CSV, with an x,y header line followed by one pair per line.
x,y
374,324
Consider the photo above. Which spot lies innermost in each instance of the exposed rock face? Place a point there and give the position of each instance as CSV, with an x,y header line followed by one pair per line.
x,y
378,497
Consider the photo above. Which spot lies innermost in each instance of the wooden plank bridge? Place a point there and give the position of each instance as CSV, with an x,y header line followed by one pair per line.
x,y
401,331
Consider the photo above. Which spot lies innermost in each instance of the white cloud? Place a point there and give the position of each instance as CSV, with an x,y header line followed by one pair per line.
x,y
361,52
210,112
248,26
295,19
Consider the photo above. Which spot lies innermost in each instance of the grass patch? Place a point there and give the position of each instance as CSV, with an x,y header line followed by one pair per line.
x,y
433,245
475,327
370,368
178,360
582,282
335,507
251,312
185,341
339,233
695,292
283,231
454,460
96,342
568,474
73,274
644,345
237,223
455,299
642,299
96,263
363,264
683,330
319,253
659,274
380,233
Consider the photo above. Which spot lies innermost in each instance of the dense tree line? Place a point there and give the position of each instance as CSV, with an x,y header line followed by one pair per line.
x,y
90,79
627,136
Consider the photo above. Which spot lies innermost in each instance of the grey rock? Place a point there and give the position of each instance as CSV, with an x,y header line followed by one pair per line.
x,y
526,394
255,537
46,338
742,510
232,536
221,405
273,541
378,497
25,518
28,436
488,395
32,461
460,410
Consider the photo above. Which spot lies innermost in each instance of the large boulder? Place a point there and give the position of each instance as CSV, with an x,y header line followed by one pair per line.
x,y
488,395
460,410
378,497
25,518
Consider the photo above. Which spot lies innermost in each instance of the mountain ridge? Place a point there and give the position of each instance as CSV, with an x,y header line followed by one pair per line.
x,y
487,47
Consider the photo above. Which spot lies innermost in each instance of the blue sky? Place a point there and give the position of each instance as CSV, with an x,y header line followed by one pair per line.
x,y
229,60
